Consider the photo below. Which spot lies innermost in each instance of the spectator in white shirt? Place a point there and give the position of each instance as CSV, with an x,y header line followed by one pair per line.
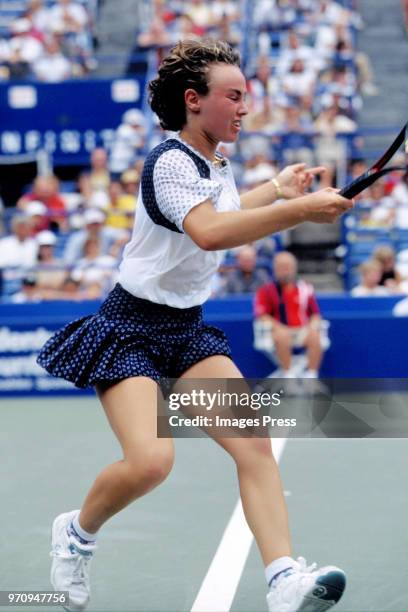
x,y
129,140
70,21
200,12
332,121
23,43
220,8
330,12
400,192
29,291
370,278
18,249
382,206
38,15
68,17
300,81
94,267
52,66
293,50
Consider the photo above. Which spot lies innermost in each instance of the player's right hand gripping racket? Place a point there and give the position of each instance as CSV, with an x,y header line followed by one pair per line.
x,y
377,170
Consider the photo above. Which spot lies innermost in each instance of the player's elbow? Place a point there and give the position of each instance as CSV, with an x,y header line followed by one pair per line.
x,y
207,241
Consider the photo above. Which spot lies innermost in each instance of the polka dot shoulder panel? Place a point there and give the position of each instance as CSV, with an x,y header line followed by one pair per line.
x,y
149,194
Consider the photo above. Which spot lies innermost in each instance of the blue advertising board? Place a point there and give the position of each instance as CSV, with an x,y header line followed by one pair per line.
x,y
66,119
367,340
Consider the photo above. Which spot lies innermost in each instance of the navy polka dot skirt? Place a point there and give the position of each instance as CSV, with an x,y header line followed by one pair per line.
x,y
128,337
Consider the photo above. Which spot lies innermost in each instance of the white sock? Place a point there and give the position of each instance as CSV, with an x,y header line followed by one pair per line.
x,y
84,535
311,373
277,566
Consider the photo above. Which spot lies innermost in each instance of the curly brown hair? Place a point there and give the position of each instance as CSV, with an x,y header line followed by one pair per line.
x,y
186,66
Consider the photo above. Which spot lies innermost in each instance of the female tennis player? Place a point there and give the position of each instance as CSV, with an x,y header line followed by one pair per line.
x,y
150,327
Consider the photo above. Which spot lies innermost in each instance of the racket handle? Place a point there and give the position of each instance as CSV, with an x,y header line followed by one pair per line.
x,y
352,189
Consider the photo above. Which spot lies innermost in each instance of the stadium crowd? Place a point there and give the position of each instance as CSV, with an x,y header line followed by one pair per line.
x,y
48,41
306,84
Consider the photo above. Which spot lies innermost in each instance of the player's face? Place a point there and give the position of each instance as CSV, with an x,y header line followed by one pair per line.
x,y
222,109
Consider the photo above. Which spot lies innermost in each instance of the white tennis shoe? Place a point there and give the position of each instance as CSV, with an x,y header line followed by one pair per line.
x,y
306,589
70,563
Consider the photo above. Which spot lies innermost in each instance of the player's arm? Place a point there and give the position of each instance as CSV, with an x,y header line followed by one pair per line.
x,y
212,230
292,182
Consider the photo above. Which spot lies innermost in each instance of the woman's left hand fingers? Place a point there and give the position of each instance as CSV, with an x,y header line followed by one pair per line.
x,y
316,170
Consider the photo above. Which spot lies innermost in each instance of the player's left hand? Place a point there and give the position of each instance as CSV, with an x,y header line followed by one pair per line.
x,y
295,180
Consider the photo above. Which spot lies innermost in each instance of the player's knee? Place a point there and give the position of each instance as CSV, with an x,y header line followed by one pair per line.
x,y
250,451
158,466
151,467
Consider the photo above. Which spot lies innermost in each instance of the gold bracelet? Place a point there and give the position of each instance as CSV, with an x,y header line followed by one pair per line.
x,y
278,188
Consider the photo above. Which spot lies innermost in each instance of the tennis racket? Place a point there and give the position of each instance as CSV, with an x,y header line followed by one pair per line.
x,y
377,170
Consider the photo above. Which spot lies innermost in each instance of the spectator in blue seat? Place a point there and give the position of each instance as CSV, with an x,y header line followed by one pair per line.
x,y
109,237
297,136
246,277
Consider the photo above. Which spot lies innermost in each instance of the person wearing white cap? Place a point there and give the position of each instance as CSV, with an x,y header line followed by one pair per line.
x,y
46,238
38,213
109,237
129,140
50,271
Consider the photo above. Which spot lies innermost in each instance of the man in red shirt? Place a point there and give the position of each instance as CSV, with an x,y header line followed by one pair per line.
x,y
289,306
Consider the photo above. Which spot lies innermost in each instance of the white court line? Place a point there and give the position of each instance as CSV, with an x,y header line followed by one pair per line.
x,y
221,581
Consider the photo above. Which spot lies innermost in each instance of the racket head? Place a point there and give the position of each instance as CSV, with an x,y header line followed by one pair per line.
x,y
366,180
377,170
390,152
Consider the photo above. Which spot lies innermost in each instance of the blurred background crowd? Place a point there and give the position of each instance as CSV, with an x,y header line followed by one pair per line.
x,y
308,84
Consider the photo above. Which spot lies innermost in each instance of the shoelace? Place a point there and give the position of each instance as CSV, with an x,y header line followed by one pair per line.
x,y
300,566
79,574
